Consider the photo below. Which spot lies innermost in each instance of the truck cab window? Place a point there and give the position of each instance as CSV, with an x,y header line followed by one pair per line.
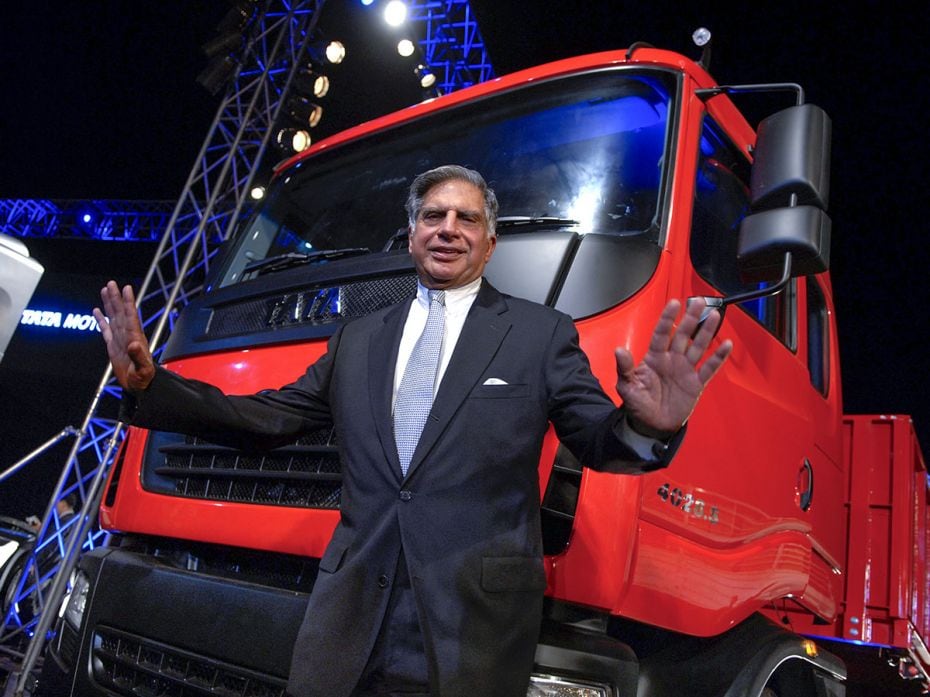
x,y
721,201
818,337
586,153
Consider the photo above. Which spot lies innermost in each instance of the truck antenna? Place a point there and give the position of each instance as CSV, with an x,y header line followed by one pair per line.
x,y
637,45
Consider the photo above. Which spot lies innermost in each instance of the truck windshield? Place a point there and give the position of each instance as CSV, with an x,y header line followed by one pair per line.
x,y
585,152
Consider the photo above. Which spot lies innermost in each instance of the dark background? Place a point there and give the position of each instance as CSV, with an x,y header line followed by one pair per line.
x,y
100,101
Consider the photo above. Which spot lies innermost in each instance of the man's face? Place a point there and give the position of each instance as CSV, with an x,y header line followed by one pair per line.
x,y
449,242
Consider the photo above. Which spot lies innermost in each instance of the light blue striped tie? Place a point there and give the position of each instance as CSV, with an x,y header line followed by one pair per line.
x,y
415,394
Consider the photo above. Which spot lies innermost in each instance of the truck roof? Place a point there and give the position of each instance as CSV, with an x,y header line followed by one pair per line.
x,y
634,56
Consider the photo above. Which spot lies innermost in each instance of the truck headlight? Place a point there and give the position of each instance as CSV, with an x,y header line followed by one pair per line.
x,y
75,600
553,686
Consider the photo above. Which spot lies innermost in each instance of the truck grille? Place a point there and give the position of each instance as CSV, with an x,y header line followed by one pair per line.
x,y
132,665
306,474
311,306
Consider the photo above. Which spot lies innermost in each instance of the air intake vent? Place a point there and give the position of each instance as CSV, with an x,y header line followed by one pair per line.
x,y
306,474
131,665
560,502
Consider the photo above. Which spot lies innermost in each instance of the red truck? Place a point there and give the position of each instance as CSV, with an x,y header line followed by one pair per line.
x,y
782,553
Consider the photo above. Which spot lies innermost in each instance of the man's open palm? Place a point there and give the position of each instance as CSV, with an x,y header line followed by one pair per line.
x,y
127,346
660,393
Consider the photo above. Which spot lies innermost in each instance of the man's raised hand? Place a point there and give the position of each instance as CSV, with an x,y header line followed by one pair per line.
x,y
127,346
660,393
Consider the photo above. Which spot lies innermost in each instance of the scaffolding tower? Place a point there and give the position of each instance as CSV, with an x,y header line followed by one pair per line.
x,y
258,50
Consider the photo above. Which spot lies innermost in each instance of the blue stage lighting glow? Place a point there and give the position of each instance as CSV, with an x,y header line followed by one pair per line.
x,y
86,215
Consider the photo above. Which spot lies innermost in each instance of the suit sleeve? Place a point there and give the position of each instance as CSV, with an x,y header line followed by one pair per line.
x,y
587,421
255,422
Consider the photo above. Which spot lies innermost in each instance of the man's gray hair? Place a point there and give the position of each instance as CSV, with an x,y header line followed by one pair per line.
x,y
427,180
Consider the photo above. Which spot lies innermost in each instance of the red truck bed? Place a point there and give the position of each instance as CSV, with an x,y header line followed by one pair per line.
x,y
888,518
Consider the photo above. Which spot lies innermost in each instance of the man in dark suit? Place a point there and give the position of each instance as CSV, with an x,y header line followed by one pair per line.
x,y
433,581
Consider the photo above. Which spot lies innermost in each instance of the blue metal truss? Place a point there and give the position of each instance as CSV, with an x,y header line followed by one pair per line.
x,y
451,45
277,38
131,221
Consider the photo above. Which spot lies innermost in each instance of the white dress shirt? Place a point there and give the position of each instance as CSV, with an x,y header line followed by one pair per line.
x,y
458,302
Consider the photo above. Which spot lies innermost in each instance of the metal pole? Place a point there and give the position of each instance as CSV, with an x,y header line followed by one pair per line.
x,y
19,464
68,562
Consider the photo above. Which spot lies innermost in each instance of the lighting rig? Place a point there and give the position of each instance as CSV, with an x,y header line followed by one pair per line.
x,y
309,85
442,40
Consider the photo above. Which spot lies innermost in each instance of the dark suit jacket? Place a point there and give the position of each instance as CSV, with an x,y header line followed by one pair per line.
x,y
467,513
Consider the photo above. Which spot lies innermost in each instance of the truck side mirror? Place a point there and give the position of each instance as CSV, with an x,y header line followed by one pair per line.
x,y
789,191
788,233
765,238
791,160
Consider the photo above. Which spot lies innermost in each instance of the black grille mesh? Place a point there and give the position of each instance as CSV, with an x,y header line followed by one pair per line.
x,y
68,643
133,665
306,474
560,501
311,306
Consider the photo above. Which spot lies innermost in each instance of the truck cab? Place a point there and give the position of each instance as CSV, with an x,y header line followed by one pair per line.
x,y
625,178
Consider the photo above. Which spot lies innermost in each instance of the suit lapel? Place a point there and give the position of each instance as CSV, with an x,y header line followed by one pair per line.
x,y
481,337
382,359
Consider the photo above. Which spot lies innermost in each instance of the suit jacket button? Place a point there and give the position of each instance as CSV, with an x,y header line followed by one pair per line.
x,y
382,581
406,495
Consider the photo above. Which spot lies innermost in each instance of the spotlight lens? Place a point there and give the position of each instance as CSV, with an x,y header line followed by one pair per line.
x,y
86,218
405,47
395,13
315,116
257,193
427,80
300,141
321,86
335,52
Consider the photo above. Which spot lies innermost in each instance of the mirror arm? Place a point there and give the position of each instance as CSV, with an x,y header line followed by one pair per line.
x,y
769,290
717,303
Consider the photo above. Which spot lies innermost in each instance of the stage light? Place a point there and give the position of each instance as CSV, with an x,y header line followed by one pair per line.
x,y
366,3
257,193
304,111
426,76
87,216
405,48
293,139
335,52
395,13
308,81
230,29
225,46
214,77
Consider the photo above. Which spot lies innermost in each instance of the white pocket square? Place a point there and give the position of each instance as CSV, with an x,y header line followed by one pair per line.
x,y
494,381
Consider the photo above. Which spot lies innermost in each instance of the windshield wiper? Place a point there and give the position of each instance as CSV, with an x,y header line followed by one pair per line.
x,y
291,259
401,234
513,222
